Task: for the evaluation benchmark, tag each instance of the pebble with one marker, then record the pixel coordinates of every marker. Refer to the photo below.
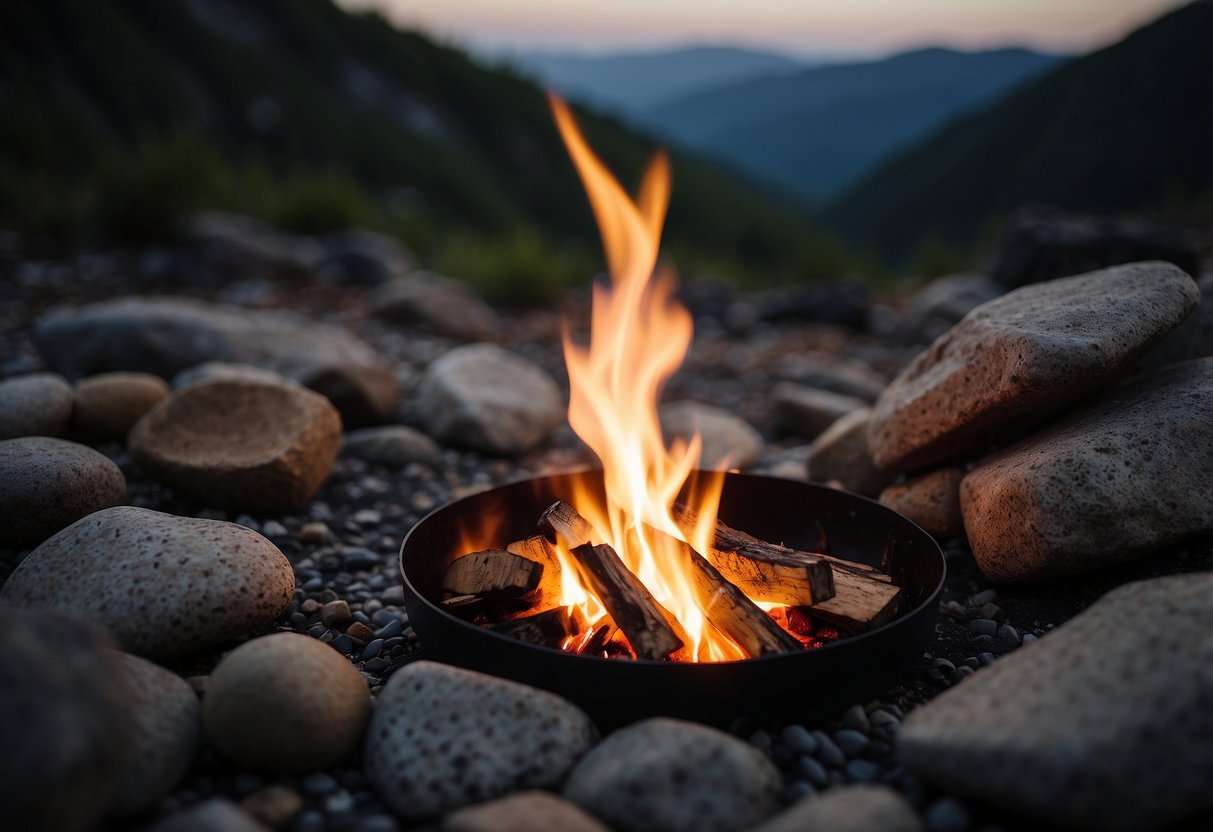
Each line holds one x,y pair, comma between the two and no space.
983,627
360,632
862,808
862,771
852,743
285,703
813,771
675,776
162,585
450,307
214,815
242,445
273,805
38,404
335,613
523,812
47,484
856,718
480,738
105,407
828,752
728,440
797,738
314,532
804,411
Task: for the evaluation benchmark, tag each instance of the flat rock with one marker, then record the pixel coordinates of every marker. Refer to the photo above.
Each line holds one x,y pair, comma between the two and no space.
214,815
47,484
479,738
450,307
65,731
728,441
675,776
1103,724
105,407
392,446
849,809
930,500
162,585
166,736
234,245
834,373
523,812
804,411
250,446
840,454
488,399
1018,360
286,703
1124,476
38,404
165,335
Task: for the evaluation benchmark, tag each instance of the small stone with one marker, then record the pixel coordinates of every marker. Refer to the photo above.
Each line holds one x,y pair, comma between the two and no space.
848,809
214,815
856,718
392,446
360,631
37,404
803,411
318,784
106,407
162,585
675,776
728,440
852,743
224,371
241,445
450,307
947,815
47,484
523,812
272,529
983,627
813,771
840,454
274,806
478,736
797,738
313,532
828,751
862,771
336,614
285,703
930,500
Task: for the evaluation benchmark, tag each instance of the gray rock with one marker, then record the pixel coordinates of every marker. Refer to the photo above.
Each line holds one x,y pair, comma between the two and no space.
166,736
392,446
162,585
226,371
849,809
1016,361
106,407
1191,339
930,500
1109,723
450,307
728,441
524,812
244,445
486,398
286,703
38,404
361,257
214,815
803,411
65,731
165,335
478,737
840,454
943,302
233,245
837,374
675,776
1124,476
47,484
274,806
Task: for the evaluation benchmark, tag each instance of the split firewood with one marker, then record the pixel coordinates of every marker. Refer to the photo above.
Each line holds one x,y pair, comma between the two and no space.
561,523
539,550
632,607
492,571
549,628
594,641
860,602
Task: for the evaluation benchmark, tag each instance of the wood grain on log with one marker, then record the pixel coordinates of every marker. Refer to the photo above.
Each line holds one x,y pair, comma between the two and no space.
492,571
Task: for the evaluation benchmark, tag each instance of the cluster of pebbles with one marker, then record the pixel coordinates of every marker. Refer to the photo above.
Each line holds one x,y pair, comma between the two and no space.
201,607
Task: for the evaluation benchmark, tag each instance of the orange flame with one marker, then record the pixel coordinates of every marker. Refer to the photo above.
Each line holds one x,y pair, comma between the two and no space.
639,336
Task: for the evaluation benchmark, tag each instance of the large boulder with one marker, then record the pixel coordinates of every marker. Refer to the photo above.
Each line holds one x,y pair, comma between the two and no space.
1016,361
1124,476
1103,724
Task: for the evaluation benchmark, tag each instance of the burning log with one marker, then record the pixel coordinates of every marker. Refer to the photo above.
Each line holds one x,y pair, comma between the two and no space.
492,572
632,607
561,523
539,550
549,628
731,612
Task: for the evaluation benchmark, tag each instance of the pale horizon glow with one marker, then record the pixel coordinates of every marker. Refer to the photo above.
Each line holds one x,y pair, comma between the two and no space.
855,27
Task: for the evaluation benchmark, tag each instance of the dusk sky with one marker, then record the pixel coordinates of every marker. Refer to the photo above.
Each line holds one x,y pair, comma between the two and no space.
800,26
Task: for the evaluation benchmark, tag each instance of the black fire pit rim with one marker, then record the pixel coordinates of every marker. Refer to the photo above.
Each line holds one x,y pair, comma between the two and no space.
852,641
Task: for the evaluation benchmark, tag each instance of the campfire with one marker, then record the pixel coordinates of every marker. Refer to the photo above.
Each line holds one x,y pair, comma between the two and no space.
644,569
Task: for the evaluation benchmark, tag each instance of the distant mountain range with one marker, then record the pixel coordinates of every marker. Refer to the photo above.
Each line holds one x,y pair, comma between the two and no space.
1126,129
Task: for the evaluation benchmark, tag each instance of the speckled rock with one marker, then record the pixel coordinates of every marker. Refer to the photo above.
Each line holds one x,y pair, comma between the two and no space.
165,335
728,441
166,736
675,776
480,738
1125,476
214,815
47,484
849,809
1012,363
803,411
106,407
286,703
1109,724
840,454
486,398
38,404
524,812
163,585
930,500
65,724
393,446
244,445
449,307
